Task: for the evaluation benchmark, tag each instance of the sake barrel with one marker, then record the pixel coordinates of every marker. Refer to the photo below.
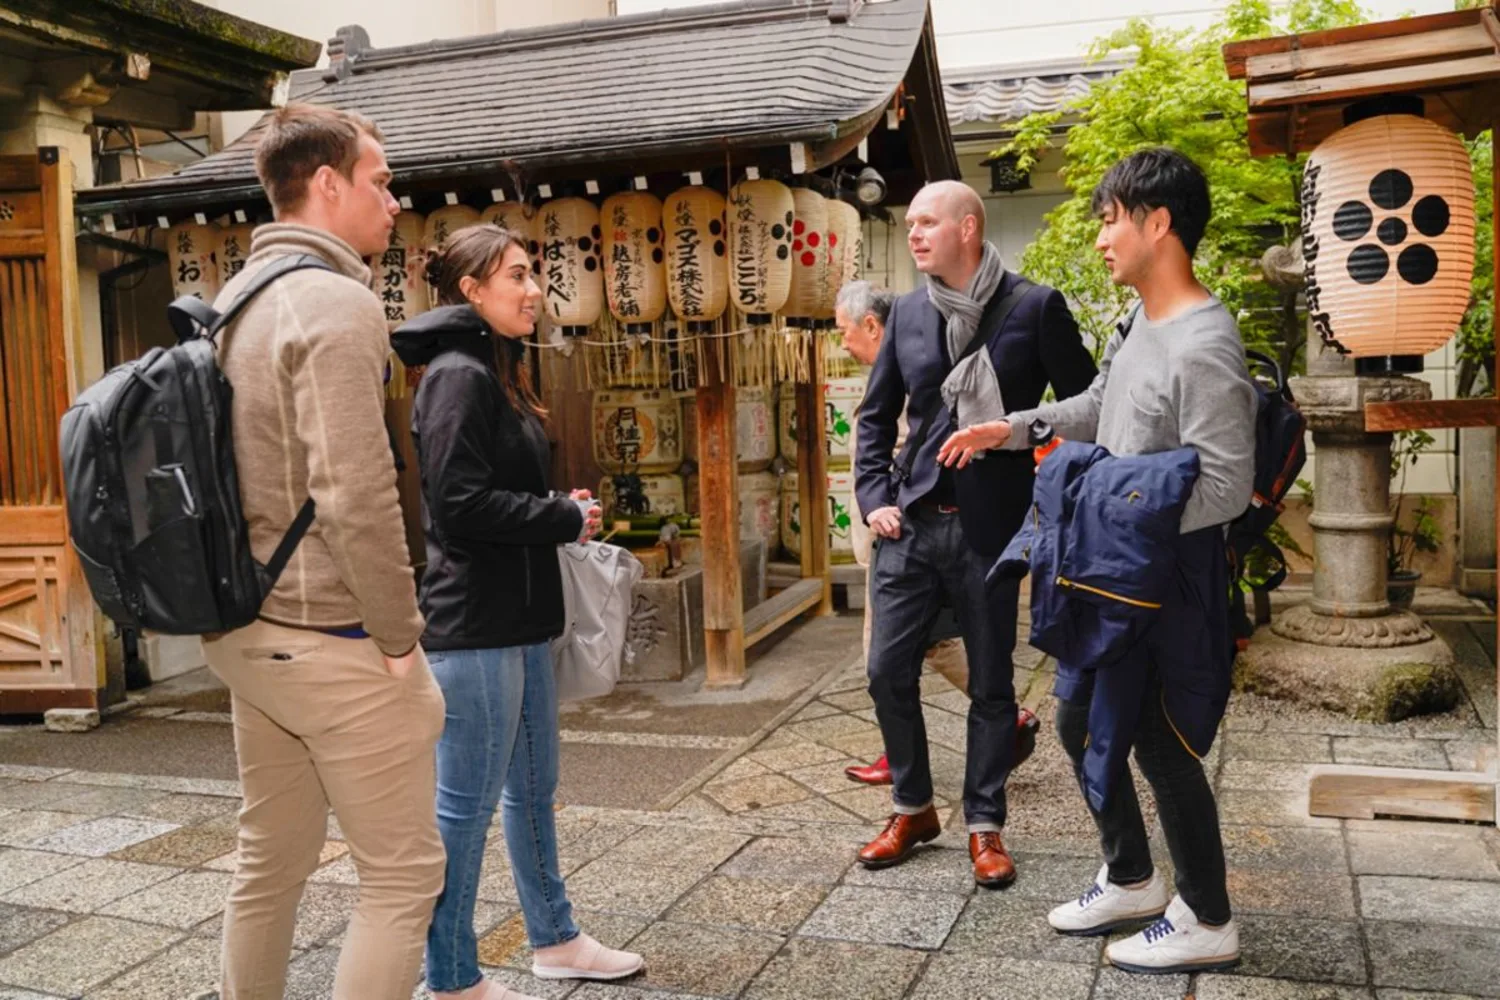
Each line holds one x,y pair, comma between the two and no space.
398,275
760,506
689,401
840,398
637,430
840,516
190,253
233,250
442,222
755,428
661,494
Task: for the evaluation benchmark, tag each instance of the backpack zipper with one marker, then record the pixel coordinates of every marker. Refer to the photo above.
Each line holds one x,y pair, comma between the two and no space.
526,556
1074,585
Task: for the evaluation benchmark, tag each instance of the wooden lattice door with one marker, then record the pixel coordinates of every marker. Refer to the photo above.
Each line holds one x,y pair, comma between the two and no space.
47,649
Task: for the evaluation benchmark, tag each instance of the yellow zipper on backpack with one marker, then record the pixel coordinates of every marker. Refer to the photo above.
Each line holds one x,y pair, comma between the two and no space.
1072,585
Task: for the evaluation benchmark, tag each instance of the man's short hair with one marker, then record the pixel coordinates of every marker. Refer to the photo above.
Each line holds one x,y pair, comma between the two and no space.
859,299
1159,178
300,138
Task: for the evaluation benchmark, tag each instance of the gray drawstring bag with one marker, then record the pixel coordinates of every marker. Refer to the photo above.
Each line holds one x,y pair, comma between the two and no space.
597,584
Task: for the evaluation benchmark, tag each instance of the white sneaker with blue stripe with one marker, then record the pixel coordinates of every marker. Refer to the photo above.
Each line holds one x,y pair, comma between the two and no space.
1177,943
1106,907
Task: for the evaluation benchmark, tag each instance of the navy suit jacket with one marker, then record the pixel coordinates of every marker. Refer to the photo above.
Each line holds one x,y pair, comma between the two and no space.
1038,344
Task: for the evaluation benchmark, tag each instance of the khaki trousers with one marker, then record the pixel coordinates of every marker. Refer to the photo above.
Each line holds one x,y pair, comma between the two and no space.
320,722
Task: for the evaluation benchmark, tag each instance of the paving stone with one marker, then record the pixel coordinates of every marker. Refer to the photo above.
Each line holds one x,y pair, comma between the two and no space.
70,720
754,793
754,904
323,914
865,745
930,869
83,954
815,710
179,902
1214,986
1319,951
871,803
676,848
951,701
1306,748
339,872
578,846
885,916
1000,925
946,729
19,925
1463,960
1284,848
1421,849
698,805
803,754
1292,893
821,730
35,794
709,961
1429,901
1390,753
835,970
814,810
6,993
1053,879
1243,806
26,772
850,701
187,810
98,837
1115,984
613,930
614,991
90,886
189,969
1264,775
107,801
187,847
742,768
20,867
310,976
23,829
1400,995
786,860
827,778
967,977
635,889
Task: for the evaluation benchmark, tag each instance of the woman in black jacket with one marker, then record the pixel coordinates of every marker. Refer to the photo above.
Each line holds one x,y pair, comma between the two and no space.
492,594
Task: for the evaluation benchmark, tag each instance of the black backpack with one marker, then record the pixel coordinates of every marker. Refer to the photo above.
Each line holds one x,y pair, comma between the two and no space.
1280,453
152,493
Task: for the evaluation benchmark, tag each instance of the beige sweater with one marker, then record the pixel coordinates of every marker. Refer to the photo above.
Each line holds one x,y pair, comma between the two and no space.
307,361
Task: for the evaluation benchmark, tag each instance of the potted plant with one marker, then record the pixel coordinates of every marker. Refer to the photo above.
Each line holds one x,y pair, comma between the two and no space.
1421,535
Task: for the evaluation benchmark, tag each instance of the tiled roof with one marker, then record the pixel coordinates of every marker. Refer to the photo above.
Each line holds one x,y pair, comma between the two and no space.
1000,94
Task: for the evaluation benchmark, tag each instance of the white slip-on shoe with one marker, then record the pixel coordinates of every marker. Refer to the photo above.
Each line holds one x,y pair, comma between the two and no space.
585,958
1178,943
1106,907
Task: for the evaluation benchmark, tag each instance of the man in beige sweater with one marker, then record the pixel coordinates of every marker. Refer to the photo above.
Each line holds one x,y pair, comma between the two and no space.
333,701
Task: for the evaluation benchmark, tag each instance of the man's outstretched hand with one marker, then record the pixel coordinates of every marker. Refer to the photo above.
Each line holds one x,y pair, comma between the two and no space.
959,450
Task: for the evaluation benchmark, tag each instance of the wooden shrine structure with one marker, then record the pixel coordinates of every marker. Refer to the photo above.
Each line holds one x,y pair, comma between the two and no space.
1298,87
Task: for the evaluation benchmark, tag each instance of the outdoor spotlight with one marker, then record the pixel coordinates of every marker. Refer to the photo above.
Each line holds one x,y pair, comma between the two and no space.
870,187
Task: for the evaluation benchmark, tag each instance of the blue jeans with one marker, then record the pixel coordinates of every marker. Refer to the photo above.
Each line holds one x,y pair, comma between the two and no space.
499,744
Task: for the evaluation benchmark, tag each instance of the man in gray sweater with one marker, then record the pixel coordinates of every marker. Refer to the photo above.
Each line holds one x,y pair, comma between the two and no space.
1177,378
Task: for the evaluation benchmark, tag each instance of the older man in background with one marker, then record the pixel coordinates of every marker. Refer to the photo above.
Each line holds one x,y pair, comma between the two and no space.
861,314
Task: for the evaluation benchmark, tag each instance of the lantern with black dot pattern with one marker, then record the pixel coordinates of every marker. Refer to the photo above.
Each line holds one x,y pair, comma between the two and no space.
572,264
761,216
635,276
697,257
1388,236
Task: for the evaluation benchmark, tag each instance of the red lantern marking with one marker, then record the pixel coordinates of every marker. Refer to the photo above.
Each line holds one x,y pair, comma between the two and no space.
798,227
813,239
833,240
809,259
797,245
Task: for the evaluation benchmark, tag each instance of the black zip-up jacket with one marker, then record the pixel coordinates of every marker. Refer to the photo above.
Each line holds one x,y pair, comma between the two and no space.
492,576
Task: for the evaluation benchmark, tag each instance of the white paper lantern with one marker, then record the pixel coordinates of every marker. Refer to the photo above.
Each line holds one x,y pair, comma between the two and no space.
571,258
514,217
399,273
190,253
635,277
809,257
845,248
233,250
761,214
697,256
443,222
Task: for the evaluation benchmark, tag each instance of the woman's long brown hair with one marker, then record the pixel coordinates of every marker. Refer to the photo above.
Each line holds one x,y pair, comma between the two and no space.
477,252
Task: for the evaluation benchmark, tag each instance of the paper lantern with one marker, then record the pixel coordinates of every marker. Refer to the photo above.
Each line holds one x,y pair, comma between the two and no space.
845,247
635,276
572,275
443,222
697,256
399,273
1388,239
233,250
514,217
761,215
809,257
638,431
190,252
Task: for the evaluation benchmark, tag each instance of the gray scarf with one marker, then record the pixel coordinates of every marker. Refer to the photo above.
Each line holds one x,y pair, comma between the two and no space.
971,388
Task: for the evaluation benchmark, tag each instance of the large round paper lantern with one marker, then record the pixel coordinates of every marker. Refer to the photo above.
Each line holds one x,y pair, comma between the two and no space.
399,273
697,256
638,430
190,253
572,275
1388,239
635,277
233,250
517,218
809,257
761,215
443,222
845,248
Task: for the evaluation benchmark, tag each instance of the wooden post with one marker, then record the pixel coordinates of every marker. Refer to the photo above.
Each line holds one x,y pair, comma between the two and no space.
1495,377
812,478
719,502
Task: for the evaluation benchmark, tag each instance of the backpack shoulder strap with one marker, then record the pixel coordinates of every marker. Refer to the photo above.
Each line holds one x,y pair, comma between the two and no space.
191,317
1123,327
995,315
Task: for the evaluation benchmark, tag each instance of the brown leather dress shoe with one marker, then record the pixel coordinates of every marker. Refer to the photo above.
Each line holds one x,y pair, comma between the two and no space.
900,837
993,867
878,773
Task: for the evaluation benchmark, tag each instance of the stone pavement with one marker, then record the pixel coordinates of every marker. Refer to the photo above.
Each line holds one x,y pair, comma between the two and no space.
741,883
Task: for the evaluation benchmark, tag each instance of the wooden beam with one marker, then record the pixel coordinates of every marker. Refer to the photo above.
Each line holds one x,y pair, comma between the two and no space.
812,477
22,244
719,503
1416,415
774,612
1352,792
1381,53
1395,79
33,525
1238,54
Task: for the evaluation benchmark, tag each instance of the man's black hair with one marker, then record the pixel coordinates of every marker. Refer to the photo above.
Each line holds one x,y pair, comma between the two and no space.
1159,178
